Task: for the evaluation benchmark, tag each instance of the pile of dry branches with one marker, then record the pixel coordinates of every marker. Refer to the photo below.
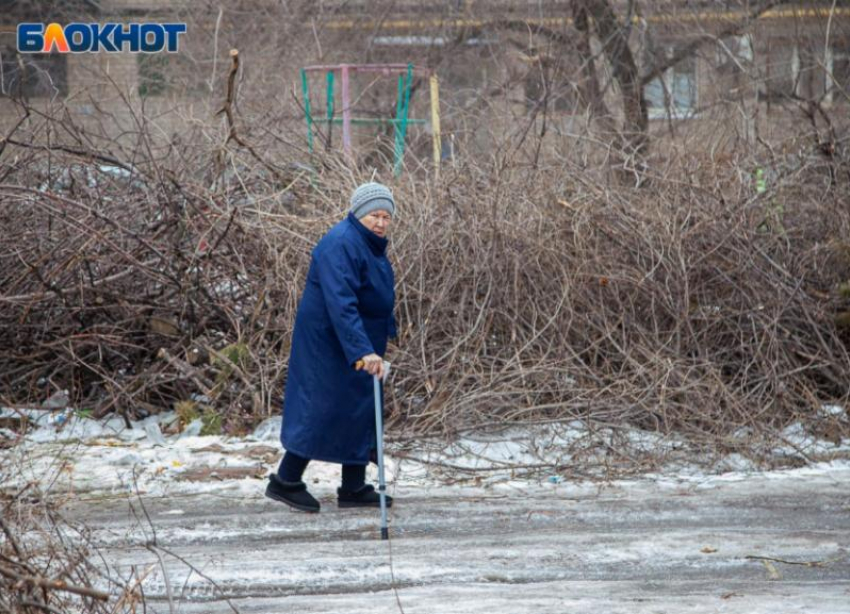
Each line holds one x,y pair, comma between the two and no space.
46,564
697,304
50,564
680,307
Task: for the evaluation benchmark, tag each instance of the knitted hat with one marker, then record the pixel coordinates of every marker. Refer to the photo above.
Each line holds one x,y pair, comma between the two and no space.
371,197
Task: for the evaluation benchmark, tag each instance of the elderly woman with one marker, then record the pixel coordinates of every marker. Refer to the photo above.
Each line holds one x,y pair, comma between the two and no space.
345,316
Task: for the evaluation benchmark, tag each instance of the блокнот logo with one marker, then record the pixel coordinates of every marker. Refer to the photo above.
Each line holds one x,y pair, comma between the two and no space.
94,37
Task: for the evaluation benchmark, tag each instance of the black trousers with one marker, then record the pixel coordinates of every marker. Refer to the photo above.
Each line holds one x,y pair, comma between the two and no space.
292,468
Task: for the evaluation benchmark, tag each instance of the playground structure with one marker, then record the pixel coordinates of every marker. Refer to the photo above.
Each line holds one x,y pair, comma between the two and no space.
400,122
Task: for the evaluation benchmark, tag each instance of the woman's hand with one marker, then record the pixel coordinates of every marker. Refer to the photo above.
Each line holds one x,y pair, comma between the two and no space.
373,364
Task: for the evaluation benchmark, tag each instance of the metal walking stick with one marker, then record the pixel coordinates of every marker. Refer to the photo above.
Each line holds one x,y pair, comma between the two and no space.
379,436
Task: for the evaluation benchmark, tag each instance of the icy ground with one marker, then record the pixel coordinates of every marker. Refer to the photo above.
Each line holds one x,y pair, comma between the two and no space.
497,523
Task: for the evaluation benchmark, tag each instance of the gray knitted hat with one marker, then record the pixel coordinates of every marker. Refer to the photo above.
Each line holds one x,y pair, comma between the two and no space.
371,197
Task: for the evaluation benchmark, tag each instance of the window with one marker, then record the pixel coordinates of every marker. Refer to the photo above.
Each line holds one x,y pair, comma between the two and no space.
432,41
798,68
734,54
409,41
33,75
838,66
781,70
674,93
809,75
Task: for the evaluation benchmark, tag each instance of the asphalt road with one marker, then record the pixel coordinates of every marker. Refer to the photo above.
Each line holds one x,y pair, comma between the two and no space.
649,546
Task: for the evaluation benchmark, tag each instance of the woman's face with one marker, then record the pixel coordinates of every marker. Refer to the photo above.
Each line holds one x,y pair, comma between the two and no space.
377,221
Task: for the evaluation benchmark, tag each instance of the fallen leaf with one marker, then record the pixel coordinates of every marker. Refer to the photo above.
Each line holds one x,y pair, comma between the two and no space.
13,423
109,443
429,386
164,326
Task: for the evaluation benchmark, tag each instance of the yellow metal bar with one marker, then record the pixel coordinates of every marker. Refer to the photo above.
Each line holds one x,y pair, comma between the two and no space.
435,123
392,24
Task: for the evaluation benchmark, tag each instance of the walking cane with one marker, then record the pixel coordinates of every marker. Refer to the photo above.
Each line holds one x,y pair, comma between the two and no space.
379,436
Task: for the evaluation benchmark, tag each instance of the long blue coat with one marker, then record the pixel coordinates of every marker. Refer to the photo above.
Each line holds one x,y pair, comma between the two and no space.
346,312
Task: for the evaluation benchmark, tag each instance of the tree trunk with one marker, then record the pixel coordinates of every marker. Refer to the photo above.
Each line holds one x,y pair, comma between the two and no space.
615,45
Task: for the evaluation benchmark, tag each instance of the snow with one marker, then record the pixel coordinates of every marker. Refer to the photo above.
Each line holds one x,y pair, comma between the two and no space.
832,410
268,430
109,456
491,522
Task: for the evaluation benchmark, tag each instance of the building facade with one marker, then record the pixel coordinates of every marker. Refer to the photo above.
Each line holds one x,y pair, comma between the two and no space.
510,58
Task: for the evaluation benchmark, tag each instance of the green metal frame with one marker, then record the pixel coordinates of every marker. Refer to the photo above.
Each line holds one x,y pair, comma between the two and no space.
400,122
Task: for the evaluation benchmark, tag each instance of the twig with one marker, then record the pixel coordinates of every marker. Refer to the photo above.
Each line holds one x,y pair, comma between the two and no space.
803,563
56,585
187,370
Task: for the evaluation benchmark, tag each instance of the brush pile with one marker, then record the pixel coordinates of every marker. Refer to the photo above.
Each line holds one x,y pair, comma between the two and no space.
701,306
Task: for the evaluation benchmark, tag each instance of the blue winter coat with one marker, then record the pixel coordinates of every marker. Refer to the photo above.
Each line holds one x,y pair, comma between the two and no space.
346,312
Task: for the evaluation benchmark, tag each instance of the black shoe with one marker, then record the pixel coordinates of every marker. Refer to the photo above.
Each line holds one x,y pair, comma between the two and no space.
365,496
293,494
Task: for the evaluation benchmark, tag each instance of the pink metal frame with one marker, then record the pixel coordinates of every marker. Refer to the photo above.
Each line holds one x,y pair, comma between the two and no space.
345,70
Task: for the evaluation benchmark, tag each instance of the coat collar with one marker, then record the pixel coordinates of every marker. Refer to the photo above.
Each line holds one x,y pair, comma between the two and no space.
377,244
